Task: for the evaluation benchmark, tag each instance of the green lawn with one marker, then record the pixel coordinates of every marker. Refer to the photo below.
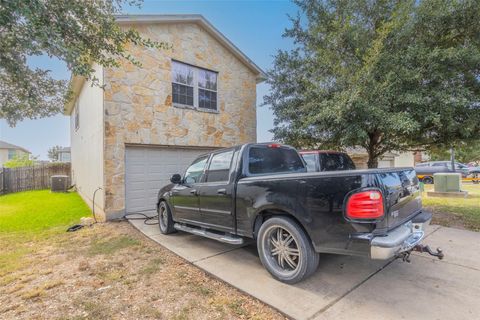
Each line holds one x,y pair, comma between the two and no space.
100,272
30,216
35,212
456,211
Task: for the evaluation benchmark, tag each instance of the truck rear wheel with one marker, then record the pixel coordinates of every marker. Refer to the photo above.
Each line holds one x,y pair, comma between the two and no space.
285,250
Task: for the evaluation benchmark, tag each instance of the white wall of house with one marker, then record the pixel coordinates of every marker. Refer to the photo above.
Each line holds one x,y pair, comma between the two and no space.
87,143
3,156
404,159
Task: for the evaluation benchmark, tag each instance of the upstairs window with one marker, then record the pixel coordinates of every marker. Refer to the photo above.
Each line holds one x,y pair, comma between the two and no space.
11,153
194,87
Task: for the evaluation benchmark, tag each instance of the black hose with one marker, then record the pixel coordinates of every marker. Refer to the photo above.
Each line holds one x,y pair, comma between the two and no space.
93,204
142,216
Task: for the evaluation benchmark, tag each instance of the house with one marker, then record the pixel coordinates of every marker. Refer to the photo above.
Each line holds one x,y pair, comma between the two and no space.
150,122
64,154
9,151
388,160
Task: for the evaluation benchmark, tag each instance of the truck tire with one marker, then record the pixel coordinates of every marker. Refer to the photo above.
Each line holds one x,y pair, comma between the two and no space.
165,220
427,180
285,250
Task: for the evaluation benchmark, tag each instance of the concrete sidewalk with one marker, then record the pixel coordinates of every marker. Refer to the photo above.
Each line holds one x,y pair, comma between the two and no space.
350,287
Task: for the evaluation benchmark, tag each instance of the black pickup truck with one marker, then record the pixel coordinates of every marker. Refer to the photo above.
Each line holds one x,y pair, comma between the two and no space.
263,192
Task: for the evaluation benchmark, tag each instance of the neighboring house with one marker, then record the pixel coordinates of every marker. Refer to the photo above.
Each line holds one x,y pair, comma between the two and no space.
8,151
64,154
388,160
152,121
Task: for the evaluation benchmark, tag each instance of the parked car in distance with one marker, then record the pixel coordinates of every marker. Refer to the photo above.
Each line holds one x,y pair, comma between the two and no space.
426,170
263,193
326,160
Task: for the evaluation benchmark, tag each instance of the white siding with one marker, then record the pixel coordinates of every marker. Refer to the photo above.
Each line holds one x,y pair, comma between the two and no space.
3,156
87,143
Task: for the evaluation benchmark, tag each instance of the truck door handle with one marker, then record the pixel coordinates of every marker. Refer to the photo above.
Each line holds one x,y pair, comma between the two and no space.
194,192
222,191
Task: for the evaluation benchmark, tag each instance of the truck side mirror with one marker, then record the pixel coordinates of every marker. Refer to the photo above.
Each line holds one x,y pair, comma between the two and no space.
176,178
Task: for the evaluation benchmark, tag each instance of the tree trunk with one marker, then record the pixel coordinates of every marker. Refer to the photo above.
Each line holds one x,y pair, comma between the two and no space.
372,150
372,162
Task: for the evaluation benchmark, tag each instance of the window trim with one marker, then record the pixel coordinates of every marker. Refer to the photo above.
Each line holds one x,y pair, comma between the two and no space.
196,88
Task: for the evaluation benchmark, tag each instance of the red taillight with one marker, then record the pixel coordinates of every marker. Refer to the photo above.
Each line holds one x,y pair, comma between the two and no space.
274,145
365,205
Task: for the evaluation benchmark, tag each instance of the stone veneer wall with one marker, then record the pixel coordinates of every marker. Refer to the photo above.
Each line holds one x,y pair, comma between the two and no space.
138,102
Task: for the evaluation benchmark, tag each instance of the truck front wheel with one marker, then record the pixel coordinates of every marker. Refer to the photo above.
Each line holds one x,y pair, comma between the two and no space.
285,250
165,220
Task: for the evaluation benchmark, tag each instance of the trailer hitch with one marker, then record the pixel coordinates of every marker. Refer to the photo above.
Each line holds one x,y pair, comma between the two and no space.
421,248
405,256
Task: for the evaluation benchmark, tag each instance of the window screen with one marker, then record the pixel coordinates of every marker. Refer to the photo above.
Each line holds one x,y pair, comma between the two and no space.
182,84
194,86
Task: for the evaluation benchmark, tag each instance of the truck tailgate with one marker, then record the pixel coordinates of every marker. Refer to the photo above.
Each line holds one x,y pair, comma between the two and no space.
402,192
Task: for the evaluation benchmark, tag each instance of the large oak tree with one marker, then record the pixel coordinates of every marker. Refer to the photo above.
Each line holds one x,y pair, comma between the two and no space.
78,32
386,75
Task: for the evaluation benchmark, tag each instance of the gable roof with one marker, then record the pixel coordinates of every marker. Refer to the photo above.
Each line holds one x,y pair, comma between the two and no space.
201,21
77,82
6,145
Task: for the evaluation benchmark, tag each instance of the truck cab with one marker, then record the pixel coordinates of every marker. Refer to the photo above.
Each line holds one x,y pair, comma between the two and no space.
263,193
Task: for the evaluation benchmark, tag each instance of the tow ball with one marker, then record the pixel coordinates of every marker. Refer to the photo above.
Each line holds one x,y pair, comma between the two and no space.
405,256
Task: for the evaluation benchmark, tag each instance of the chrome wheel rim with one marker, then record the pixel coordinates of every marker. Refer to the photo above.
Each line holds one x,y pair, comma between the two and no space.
163,216
282,250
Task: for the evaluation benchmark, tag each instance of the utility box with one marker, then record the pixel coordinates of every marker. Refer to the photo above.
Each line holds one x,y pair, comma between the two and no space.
59,183
447,182
447,185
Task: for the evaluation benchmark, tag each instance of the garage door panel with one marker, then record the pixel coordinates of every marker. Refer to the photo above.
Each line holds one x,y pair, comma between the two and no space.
150,168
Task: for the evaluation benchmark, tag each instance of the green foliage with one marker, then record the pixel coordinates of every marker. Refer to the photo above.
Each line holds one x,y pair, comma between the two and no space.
465,152
385,75
54,153
77,32
22,160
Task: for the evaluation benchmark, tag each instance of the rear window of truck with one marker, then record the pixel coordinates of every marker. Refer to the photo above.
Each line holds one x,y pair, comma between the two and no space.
265,159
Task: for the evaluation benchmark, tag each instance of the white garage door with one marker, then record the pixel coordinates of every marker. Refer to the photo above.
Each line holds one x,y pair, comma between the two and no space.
147,169
386,163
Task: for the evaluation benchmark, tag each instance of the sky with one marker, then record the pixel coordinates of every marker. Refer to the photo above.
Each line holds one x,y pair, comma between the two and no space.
255,27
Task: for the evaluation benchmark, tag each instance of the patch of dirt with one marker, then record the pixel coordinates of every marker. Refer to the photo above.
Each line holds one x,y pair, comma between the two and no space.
110,271
447,219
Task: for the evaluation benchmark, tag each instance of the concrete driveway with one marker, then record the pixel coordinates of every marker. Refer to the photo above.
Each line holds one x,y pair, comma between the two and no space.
350,287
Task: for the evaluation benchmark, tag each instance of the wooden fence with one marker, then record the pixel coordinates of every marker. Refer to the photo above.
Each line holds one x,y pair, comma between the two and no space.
36,177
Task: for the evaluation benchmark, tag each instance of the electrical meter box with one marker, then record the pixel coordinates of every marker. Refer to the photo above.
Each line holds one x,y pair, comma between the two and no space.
447,182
